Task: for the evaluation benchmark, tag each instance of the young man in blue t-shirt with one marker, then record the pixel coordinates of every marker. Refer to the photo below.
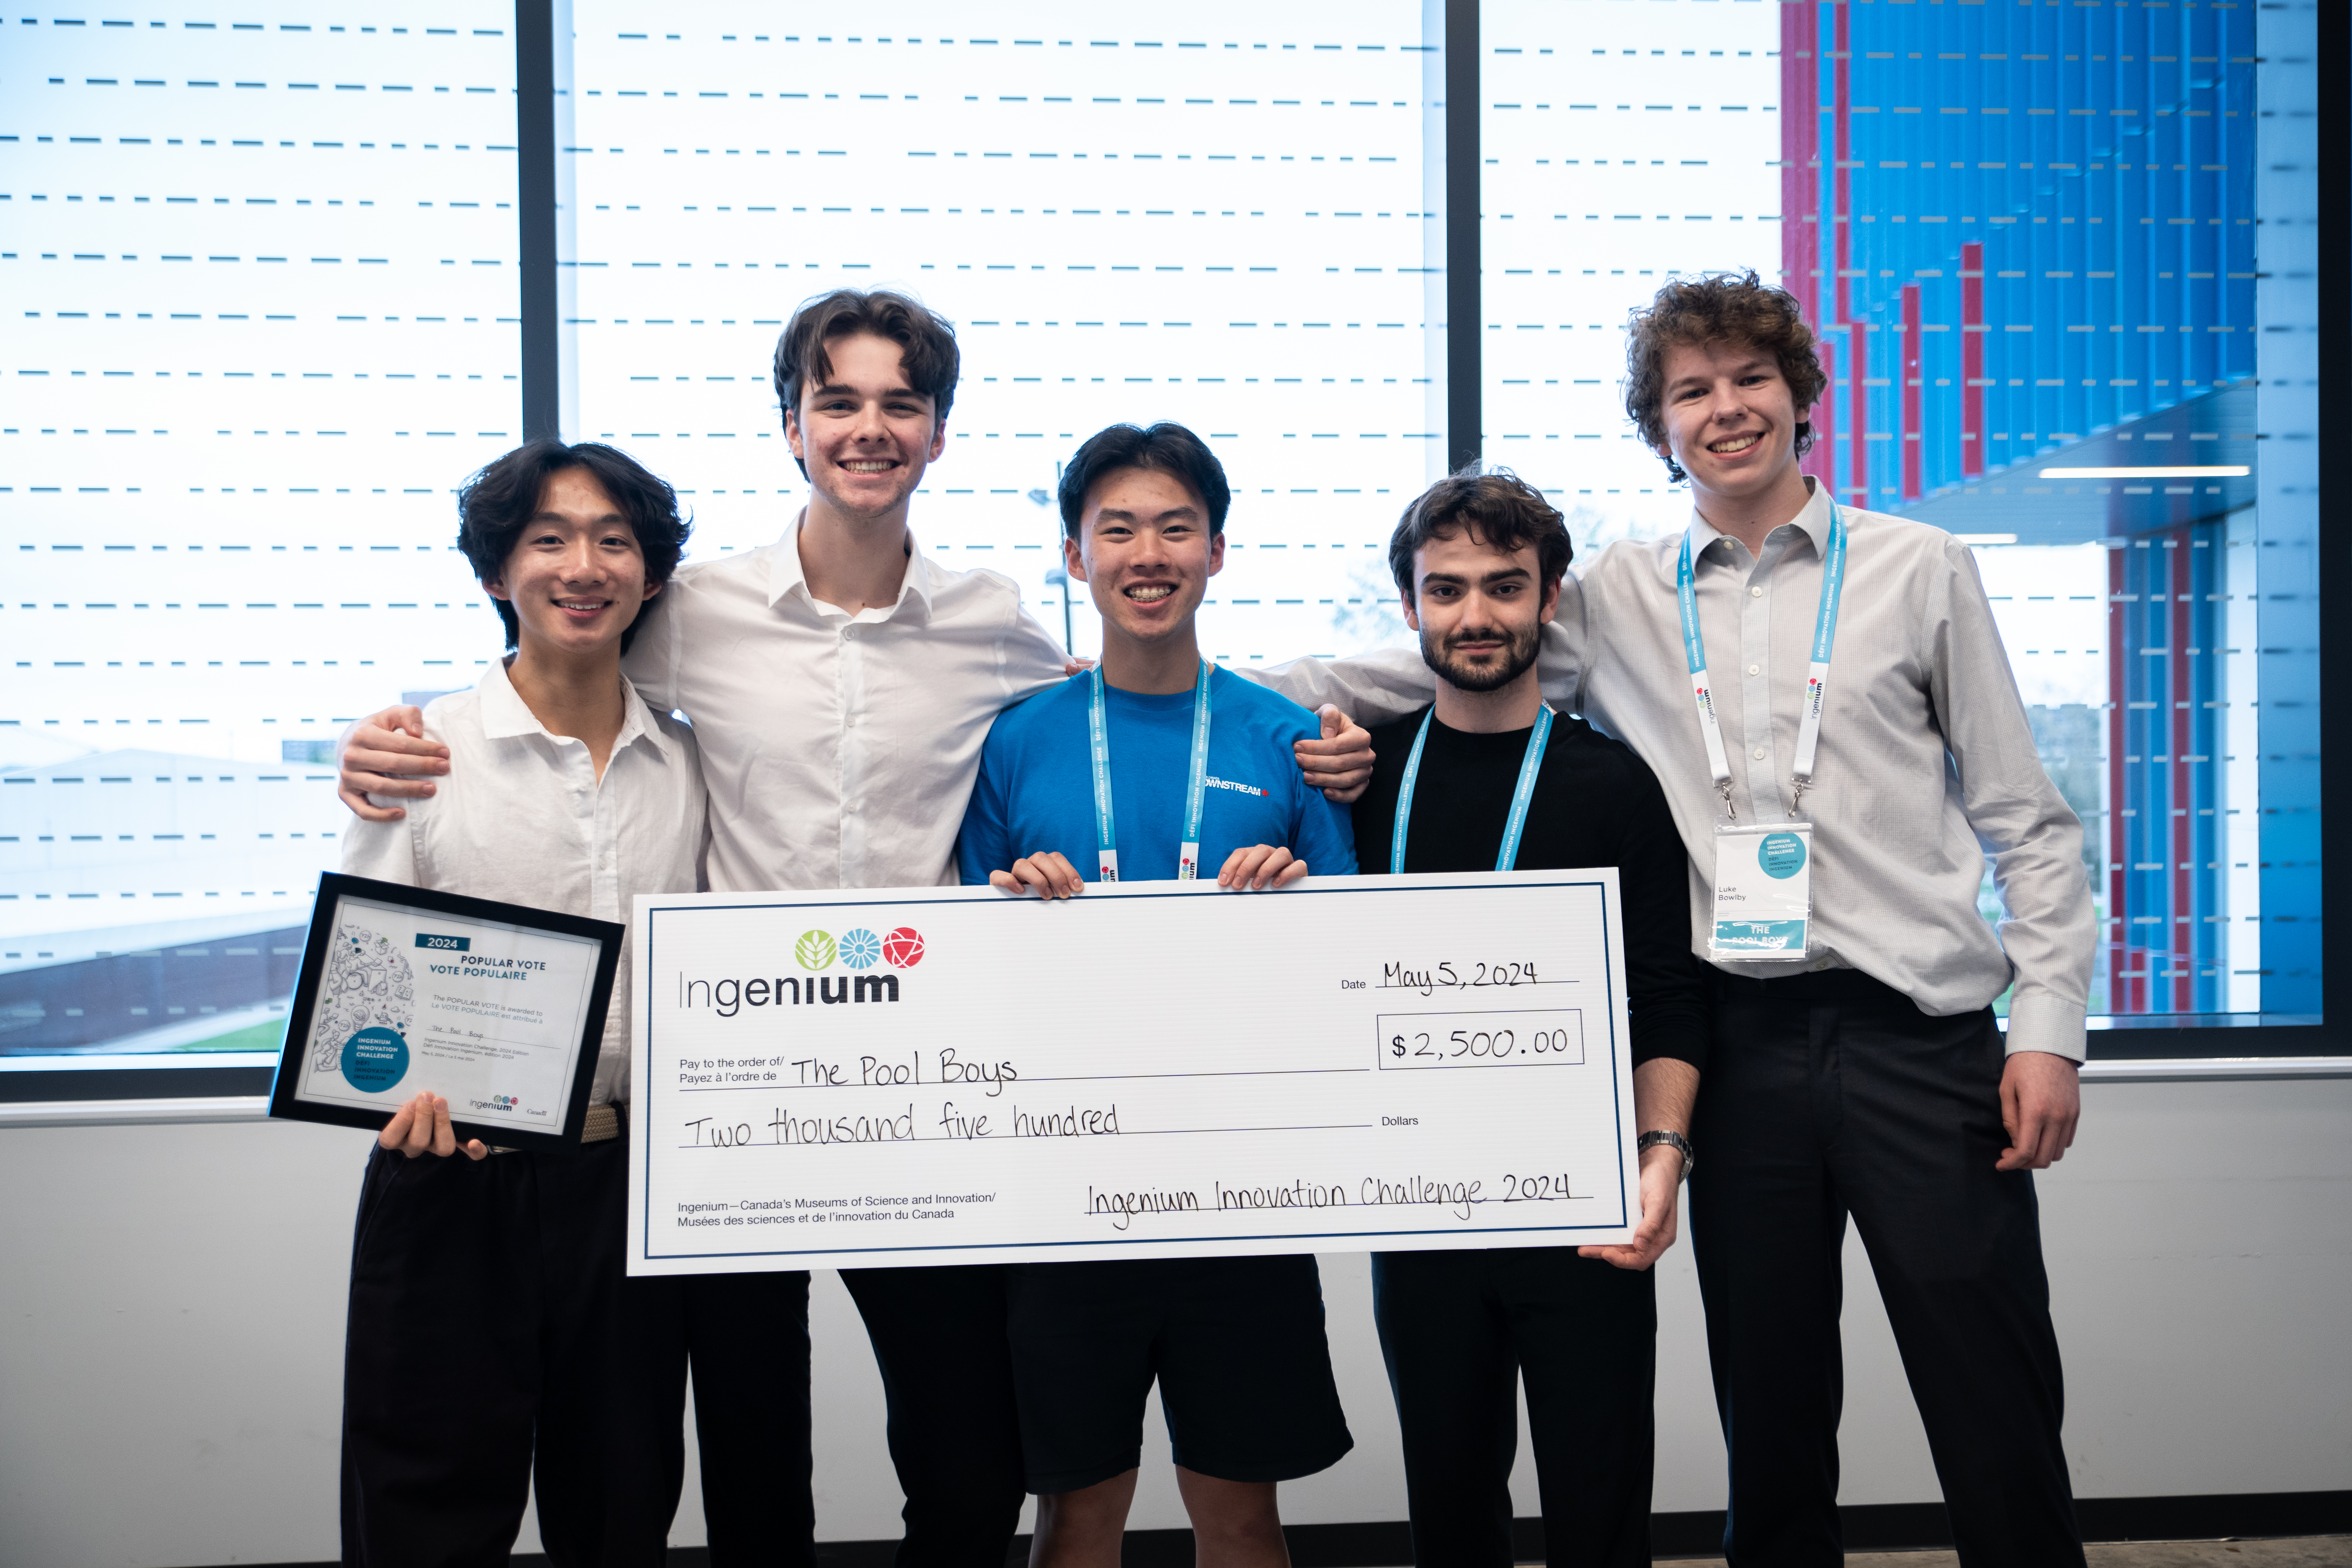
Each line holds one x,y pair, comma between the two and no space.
1237,1343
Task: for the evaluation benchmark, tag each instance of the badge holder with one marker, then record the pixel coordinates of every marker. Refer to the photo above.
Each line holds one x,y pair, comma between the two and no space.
1763,890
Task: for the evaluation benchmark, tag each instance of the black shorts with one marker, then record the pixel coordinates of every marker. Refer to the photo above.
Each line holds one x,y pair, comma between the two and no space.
1236,1344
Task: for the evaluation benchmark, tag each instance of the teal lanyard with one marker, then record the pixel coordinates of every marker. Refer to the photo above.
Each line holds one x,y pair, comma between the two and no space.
1188,860
1809,724
1507,857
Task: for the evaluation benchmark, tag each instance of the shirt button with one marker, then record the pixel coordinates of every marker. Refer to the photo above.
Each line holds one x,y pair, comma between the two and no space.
1756,593
849,634
1755,669
1759,753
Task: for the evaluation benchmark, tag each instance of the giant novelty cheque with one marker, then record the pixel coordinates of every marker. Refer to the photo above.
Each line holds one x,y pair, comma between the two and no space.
951,1074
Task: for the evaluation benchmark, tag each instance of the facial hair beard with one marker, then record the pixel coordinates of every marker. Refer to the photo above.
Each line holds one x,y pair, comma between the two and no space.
1519,653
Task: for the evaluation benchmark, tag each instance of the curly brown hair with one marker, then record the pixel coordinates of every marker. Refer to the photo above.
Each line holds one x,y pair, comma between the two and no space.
1717,306
1501,509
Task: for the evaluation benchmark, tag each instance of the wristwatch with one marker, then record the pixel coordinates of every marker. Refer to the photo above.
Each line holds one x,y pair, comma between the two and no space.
1675,1140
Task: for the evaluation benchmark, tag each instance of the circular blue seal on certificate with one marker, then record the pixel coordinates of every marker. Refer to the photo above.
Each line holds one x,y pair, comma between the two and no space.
1781,855
374,1058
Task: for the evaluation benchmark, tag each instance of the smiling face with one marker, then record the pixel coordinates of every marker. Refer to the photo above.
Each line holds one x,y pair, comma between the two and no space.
865,436
1730,420
1145,551
575,577
1479,610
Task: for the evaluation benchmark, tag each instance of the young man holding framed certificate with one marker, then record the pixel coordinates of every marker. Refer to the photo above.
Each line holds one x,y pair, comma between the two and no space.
498,1279
1156,765
1490,778
840,683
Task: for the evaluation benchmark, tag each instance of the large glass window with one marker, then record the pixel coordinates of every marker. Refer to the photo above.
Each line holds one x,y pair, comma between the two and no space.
266,311
1221,218
2030,242
261,289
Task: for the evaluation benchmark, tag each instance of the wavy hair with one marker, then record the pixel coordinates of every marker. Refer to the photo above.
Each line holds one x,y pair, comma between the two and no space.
1717,308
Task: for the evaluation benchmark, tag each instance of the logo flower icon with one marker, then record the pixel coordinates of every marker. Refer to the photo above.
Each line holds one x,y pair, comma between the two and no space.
903,948
815,950
860,948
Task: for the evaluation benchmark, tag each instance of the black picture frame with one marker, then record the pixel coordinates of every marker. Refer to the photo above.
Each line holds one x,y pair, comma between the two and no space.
333,888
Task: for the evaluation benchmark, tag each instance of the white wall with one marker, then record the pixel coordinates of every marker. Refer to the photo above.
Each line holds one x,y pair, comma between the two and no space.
172,1300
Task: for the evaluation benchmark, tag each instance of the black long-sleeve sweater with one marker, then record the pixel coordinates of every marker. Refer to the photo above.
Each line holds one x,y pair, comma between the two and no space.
1595,804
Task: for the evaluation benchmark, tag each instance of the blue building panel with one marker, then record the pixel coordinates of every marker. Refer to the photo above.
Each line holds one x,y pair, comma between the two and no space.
2017,228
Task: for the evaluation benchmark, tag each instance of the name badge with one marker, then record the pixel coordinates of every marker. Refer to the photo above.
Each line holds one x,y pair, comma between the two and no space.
1763,890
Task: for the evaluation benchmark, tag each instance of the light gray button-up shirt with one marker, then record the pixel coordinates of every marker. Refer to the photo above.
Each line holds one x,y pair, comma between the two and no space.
1927,762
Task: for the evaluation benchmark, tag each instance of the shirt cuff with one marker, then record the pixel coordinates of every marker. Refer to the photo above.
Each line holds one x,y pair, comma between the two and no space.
2040,1022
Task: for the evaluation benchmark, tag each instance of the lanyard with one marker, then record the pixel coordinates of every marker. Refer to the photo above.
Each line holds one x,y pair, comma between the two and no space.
1809,725
1507,858
1188,863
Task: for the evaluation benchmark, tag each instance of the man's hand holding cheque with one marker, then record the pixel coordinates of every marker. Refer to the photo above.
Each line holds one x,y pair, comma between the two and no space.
1050,875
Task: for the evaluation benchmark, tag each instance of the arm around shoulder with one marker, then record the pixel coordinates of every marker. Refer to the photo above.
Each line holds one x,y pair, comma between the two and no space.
387,754
657,642
1380,684
1028,660
385,851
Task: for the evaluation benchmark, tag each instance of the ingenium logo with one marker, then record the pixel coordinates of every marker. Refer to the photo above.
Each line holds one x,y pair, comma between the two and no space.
902,949
856,950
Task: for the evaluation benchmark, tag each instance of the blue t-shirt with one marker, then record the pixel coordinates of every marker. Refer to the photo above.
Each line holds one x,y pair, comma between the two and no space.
1036,792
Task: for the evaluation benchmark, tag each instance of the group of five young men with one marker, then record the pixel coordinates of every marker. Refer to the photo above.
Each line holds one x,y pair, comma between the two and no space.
862,717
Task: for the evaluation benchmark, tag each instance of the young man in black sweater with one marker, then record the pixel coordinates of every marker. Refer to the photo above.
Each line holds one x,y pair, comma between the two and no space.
1478,560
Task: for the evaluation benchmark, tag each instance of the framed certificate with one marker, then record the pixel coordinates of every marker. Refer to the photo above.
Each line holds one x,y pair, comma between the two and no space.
923,1076
497,1008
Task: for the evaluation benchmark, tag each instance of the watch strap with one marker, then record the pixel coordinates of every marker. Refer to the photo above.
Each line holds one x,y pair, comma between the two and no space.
1675,1140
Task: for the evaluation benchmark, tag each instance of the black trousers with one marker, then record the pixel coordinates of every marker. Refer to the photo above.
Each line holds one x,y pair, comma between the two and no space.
1458,1330
939,1338
1827,1094
494,1336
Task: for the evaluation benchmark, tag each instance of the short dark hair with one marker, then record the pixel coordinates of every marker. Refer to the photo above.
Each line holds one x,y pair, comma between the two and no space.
926,340
1717,308
1502,509
1164,448
498,503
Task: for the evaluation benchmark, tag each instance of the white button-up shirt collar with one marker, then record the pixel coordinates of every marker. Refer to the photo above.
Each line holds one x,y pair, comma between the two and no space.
787,575
504,714
1813,522
523,818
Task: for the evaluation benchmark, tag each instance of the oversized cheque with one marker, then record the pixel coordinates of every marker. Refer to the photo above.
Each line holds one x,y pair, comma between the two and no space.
948,1075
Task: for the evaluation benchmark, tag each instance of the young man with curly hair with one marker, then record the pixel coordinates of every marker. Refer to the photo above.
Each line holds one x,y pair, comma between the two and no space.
1821,692
1479,562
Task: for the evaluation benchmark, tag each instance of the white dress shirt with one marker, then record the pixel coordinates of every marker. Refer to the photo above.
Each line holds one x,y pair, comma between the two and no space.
522,818
840,750
1927,762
